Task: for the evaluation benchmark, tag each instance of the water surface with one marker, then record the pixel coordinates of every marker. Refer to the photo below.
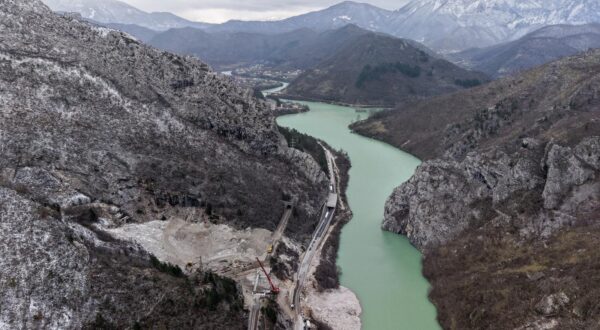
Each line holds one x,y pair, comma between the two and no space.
268,92
382,268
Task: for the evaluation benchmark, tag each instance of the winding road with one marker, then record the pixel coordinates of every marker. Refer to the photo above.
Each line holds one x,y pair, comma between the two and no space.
327,214
326,217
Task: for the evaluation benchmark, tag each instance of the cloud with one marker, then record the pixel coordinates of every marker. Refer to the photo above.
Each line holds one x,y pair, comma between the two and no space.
220,15
218,11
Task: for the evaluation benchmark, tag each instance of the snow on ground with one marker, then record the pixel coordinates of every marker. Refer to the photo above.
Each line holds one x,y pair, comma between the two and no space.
104,32
340,309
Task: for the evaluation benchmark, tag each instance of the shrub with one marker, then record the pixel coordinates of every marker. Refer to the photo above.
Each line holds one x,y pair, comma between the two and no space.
21,189
467,83
270,311
219,289
100,323
43,212
166,267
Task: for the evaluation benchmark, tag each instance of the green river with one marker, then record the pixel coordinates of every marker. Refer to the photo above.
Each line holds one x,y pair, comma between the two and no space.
383,269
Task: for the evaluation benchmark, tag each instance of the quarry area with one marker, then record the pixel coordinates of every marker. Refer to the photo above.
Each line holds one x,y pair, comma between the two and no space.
189,245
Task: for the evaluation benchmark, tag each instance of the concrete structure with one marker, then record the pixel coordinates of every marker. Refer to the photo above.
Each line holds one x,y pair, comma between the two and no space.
332,200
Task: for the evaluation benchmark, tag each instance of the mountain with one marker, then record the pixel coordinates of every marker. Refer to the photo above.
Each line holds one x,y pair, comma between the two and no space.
298,49
141,33
539,47
506,207
360,14
114,11
454,25
443,25
380,70
101,134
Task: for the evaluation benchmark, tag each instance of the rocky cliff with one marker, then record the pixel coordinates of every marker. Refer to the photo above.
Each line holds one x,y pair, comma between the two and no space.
97,131
536,190
507,207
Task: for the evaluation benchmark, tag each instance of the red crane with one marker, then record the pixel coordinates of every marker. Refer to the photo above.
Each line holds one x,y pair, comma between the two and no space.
274,289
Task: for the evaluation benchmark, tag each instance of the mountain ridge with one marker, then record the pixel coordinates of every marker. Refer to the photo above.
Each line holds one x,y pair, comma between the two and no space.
115,11
536,48
448,26
298,49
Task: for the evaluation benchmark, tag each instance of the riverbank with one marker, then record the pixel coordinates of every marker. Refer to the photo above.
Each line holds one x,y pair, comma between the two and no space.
332,305
341,104
382,269
344,309
335,309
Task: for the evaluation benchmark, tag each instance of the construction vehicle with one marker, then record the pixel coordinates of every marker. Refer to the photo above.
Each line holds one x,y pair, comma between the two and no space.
270,248
274,290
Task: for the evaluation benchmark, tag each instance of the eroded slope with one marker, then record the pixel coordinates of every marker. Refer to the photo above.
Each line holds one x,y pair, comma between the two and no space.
98,130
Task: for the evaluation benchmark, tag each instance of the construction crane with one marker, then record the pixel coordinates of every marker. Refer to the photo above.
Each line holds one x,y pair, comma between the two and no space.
274,289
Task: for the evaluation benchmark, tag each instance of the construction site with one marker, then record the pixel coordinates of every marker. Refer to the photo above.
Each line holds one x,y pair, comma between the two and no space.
289,299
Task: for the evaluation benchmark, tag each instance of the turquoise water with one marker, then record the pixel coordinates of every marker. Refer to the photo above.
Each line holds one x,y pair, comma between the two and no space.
267,92
382,268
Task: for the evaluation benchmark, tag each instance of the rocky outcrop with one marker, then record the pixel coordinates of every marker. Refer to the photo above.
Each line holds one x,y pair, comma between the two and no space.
520,151
552,304
506,207
446,197
569,168
307,164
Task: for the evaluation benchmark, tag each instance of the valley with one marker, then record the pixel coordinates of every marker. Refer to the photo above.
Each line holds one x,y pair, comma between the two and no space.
499,192
381,268
434,165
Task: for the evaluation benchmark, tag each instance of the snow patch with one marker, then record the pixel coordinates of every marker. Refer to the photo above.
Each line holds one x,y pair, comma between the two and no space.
343,18
102,31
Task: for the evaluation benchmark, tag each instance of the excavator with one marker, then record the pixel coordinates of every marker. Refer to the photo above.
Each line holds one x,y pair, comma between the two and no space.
274,290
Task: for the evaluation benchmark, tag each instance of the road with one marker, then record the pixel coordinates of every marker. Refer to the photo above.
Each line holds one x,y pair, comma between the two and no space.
326,217
275,238
254,314
327,214
309,255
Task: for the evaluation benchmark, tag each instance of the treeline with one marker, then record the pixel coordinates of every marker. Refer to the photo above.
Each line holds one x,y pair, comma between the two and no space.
219,289
467,83
371,73
305,143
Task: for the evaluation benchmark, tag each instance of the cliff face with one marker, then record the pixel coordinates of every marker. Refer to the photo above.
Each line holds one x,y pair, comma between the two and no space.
536,191
528,139
508,206
97,130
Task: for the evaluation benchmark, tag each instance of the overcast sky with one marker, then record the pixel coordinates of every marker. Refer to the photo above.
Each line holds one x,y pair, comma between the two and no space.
218,11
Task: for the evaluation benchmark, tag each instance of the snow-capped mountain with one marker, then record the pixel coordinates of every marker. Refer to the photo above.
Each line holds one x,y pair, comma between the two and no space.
348,12
444,25
539,47
114,11
452,25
